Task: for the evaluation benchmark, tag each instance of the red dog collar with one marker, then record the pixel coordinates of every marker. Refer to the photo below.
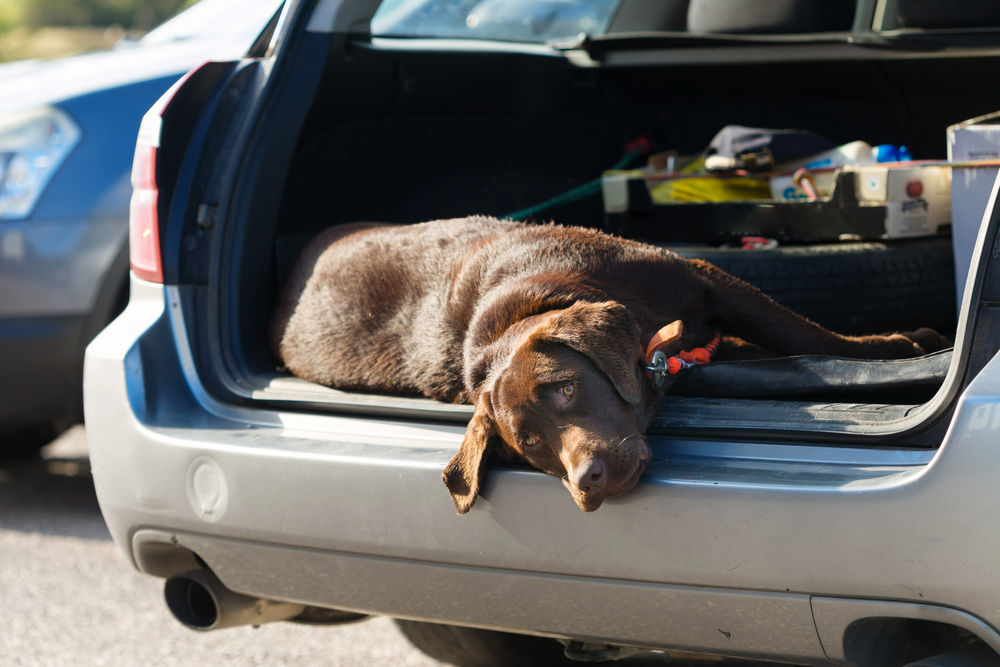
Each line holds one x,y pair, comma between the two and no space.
660,365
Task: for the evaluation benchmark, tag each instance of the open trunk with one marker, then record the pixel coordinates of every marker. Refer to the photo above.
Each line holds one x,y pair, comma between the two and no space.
401,131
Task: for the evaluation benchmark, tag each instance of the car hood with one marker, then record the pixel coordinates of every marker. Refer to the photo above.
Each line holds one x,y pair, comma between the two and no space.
32,83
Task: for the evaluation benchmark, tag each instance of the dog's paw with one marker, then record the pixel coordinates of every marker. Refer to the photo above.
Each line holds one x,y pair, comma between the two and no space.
927,340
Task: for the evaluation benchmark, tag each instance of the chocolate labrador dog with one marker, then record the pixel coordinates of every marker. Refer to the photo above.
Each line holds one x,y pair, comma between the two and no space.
543,328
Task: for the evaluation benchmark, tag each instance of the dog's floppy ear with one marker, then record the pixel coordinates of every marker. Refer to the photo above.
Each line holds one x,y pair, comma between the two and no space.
604,332
464,472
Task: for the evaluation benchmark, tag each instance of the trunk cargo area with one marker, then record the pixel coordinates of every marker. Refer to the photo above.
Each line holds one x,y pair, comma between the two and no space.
401,133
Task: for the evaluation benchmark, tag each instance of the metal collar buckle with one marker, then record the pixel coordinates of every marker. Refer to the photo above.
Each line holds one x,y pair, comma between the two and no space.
658,368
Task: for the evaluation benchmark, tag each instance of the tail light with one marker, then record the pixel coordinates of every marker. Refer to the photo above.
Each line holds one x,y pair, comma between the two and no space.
144,226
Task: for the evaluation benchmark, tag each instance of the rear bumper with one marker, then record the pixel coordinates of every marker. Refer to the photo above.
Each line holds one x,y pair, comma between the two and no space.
349,512
60,282
41,363
755,624
59,268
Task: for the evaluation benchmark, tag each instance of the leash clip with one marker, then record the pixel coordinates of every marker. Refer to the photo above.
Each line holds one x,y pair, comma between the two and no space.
660,370
660,365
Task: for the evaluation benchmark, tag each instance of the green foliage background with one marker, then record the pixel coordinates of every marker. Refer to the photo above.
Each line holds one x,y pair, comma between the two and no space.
57,28
132,15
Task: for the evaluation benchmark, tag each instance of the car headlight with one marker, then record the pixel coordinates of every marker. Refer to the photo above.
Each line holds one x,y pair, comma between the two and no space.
32,146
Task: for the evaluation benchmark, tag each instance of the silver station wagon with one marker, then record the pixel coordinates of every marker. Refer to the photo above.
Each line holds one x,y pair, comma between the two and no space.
806,510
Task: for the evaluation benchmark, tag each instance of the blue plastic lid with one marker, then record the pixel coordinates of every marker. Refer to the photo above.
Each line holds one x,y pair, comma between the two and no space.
890,153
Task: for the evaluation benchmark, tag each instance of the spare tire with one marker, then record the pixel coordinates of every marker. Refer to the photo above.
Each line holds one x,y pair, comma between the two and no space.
854,288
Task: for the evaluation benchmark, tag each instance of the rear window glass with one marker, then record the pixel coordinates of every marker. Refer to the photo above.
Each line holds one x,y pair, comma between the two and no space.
505,20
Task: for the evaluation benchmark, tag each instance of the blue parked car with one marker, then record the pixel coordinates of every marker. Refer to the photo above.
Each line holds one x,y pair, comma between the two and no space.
67,134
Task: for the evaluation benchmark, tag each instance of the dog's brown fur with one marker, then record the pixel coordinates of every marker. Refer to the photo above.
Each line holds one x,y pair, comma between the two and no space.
540,327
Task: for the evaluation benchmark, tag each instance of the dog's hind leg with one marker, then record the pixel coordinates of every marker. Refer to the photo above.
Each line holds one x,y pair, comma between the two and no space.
739,309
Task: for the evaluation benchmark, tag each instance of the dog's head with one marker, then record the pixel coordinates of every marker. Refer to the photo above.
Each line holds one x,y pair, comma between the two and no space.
570,398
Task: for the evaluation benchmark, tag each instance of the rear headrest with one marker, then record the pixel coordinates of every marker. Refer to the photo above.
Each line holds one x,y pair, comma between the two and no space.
770,16
646,16
952,14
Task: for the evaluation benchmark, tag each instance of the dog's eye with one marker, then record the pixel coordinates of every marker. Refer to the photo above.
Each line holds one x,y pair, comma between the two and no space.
530,440
567,391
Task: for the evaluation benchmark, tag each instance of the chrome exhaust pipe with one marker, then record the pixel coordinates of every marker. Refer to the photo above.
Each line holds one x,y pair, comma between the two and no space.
201,602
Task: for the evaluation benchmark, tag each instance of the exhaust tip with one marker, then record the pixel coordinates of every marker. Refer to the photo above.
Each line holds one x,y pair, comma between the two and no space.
201,602
191,602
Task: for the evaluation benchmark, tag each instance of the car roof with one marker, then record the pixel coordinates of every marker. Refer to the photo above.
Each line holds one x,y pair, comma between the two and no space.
171,52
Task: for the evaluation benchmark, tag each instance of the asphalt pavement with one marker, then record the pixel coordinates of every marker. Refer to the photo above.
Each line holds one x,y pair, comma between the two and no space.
68,597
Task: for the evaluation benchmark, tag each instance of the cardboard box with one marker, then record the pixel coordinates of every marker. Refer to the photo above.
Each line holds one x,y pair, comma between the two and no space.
917,200
974,139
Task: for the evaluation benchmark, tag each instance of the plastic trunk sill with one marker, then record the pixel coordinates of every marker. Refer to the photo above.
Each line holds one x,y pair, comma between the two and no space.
675,412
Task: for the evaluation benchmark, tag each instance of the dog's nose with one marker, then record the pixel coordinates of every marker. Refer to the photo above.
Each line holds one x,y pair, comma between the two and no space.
589,476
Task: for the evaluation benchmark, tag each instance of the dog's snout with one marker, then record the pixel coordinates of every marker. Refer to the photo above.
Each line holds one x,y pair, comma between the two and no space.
589,476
